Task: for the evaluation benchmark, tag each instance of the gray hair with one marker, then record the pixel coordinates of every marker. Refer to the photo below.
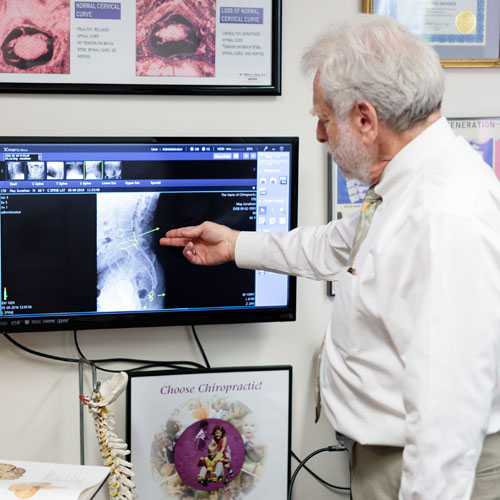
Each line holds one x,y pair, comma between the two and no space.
374,58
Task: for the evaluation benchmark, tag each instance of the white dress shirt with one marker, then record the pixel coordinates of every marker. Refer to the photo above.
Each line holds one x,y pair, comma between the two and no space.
412,350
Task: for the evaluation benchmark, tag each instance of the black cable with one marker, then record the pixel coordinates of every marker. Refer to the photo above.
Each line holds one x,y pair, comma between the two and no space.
160,364
336,447
169,364
75,338
142,367
320,479
36,353
200,346
148,363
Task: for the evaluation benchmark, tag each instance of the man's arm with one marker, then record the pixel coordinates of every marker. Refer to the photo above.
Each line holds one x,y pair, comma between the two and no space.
315,251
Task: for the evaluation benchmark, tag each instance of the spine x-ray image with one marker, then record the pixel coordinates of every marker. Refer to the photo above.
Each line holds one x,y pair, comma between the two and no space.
15,170
129,277
74,169
36,170
55,170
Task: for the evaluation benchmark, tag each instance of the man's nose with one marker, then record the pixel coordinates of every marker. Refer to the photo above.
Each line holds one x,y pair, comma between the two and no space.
321,134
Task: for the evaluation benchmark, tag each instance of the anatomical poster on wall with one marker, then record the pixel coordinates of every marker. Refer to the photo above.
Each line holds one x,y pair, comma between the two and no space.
156,46
211,434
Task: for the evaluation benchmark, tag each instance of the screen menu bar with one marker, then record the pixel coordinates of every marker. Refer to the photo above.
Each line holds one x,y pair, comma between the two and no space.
16,149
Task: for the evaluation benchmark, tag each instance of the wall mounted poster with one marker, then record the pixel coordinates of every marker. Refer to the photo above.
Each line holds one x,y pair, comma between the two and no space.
211,434
346,195
484,136
141,46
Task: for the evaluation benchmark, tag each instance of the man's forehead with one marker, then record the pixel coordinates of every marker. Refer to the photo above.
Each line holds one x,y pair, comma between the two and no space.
317,89
320,106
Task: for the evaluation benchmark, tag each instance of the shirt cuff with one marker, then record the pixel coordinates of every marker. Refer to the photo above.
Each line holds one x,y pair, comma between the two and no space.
247,252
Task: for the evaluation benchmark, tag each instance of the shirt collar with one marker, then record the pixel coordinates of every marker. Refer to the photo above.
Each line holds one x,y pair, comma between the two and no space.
408,161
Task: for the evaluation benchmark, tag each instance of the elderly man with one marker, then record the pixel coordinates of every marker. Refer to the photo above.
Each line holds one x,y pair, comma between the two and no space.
410,366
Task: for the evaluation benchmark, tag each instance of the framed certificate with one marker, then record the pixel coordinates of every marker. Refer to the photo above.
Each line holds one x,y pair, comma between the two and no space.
463,32
211,434
141,47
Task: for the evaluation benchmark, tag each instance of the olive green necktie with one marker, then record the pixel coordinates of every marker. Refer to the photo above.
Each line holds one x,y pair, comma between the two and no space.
370,204
368,207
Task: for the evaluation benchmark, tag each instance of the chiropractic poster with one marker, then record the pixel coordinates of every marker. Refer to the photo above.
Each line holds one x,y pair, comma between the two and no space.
139,43
211,434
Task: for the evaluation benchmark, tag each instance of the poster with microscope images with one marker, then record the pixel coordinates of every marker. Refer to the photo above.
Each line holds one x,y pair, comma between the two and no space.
219,434
49,44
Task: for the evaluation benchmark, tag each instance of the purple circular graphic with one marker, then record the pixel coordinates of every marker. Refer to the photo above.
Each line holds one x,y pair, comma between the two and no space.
209,454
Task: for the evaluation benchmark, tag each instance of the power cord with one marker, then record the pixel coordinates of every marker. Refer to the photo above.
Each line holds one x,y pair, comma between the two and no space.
37,353
200,346
145,363
336,447
318,478
148,363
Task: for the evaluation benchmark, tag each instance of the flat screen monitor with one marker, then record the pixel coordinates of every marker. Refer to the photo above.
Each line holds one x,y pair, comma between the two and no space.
81,219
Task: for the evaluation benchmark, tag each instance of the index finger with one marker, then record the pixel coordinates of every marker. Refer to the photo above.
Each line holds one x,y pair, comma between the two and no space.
188,232
173,242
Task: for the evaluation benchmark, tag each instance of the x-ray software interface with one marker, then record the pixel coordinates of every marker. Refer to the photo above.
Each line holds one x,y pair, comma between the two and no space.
80,224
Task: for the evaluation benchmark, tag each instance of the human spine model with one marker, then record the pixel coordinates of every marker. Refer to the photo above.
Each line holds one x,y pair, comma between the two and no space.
113,449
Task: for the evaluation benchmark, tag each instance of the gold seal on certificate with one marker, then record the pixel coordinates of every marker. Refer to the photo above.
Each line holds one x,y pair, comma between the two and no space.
465,22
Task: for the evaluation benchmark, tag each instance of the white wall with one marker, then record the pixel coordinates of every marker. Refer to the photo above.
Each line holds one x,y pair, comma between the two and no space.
39,398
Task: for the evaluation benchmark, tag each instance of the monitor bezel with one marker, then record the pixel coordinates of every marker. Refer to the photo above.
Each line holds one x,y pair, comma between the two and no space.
103,321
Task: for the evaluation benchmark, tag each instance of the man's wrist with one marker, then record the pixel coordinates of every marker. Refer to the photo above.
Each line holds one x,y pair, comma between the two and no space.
232,244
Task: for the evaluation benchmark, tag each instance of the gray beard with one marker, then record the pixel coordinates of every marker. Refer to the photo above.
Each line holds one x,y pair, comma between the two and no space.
353,160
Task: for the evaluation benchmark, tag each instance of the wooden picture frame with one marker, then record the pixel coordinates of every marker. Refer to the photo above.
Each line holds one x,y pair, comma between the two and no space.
465,33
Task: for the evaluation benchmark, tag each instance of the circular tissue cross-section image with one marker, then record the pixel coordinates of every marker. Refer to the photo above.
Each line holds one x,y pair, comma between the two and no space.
179,450
209,454
35,36
176,38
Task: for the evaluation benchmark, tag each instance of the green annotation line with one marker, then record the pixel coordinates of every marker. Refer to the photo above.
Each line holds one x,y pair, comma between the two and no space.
152,230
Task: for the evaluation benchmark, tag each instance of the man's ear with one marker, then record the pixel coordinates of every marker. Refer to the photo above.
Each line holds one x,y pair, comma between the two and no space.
365,121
